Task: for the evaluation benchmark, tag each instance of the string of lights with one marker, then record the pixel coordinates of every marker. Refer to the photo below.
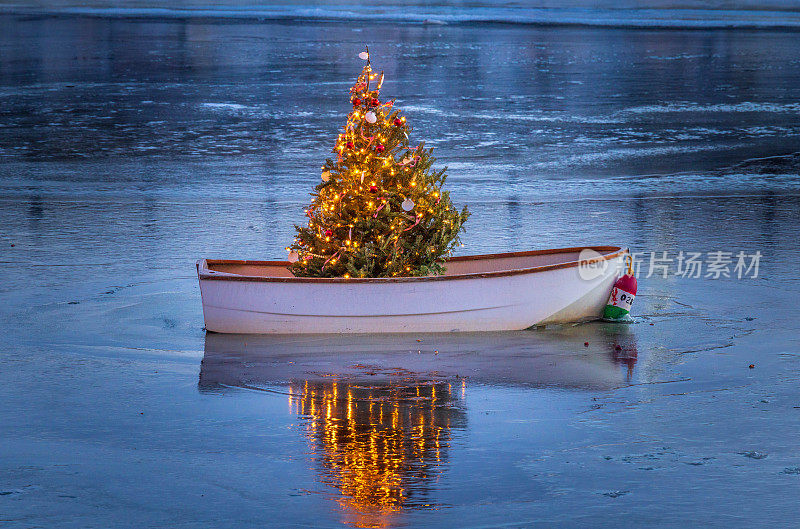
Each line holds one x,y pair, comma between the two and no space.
379,210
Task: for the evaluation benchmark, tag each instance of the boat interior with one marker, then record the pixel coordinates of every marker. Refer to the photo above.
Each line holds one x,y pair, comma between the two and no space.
473,264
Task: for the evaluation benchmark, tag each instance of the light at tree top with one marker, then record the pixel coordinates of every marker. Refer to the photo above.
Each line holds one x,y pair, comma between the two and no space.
379,210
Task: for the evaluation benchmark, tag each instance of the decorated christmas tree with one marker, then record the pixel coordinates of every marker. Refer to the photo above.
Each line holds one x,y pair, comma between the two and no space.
380,210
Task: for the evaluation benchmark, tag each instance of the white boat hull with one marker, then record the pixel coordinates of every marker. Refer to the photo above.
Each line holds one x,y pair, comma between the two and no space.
492,300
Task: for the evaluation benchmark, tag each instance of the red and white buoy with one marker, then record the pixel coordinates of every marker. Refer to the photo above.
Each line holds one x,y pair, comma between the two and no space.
622,296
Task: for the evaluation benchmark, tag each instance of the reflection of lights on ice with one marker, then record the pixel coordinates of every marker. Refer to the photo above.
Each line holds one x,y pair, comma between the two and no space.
381,447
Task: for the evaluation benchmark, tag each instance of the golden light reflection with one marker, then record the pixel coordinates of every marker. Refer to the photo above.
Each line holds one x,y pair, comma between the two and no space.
383,447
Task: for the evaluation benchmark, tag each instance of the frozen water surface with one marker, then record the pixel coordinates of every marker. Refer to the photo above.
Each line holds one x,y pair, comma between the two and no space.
132,146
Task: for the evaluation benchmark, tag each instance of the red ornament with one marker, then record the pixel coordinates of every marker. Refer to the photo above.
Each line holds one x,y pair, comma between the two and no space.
379,148
398,122
328,233
374,102
356,102
350,145
373,189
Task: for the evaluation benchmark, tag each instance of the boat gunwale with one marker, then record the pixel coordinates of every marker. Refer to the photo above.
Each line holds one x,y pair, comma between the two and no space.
204,273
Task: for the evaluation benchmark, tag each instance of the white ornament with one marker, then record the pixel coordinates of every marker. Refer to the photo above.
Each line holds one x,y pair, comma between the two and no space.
326,176
407,204
292,257
405,161
370,117
363,55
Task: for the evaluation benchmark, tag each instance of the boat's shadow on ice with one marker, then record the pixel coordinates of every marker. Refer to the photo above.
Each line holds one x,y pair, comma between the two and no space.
382,413
593,355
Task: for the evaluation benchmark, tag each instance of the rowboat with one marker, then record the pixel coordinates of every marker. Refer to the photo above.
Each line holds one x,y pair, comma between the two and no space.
493,292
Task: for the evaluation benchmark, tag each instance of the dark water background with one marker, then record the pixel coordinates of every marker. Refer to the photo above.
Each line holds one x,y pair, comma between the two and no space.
130,147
